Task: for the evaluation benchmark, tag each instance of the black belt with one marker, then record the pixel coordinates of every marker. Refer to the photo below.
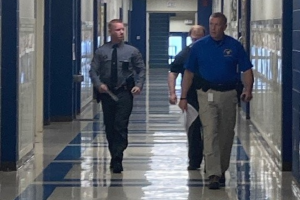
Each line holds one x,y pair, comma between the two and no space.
219,87
121,88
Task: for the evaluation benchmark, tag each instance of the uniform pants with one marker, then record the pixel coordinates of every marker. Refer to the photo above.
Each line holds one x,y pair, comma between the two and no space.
195,150
218,117
195,144
116,118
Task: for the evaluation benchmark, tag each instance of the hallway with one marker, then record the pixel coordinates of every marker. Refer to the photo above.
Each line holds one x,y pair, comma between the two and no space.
72,160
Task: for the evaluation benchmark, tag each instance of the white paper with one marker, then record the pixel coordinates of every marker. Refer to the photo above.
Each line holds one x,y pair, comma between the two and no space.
188,117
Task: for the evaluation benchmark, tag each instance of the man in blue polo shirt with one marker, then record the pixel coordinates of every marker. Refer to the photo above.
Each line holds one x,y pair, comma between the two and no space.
219,60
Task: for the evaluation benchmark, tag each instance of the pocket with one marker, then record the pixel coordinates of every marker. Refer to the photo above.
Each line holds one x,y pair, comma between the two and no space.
125,65
104,70
235,100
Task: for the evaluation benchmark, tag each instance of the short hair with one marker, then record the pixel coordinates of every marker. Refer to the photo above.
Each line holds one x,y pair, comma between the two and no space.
219,15
197,30
114,21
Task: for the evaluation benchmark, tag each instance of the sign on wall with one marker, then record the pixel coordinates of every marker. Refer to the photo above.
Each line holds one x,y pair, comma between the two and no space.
171,3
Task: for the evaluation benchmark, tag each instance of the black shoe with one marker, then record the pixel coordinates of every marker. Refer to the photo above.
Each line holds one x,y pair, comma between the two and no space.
222,180
117,168
214,182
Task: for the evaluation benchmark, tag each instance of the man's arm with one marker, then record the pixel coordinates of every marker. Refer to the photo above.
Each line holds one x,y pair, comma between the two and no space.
176,67
95,68
186,84
94,73
140,68
248,85
171,83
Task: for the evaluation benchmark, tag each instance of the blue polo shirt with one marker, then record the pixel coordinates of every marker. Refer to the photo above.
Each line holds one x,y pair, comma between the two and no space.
217,62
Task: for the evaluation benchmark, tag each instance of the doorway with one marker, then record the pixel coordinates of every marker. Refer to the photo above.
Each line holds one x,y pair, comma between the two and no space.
177,42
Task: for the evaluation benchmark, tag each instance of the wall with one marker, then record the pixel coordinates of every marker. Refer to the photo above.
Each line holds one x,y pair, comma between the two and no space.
296,88
39,64
266,55
217,6
113,9
230,10
27,76
113,12
87,50
171,6
138,26
266,9
179,26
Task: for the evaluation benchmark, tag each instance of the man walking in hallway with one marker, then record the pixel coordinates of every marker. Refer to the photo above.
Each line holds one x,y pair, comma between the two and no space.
113,71
216,58
195,145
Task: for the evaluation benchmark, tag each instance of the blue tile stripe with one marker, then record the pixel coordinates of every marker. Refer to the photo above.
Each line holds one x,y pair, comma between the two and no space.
70,156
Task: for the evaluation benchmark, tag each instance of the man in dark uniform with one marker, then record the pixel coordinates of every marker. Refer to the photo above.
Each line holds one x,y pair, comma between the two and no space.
195,146
113,70
216,59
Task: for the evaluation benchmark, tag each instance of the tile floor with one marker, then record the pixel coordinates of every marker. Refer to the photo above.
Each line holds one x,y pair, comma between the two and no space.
71,160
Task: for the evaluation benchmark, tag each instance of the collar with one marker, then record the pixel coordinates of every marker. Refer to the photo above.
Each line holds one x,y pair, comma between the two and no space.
118,45
219,42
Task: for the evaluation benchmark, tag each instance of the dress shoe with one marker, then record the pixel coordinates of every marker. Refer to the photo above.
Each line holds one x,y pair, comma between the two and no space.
117,167
214,182
222,180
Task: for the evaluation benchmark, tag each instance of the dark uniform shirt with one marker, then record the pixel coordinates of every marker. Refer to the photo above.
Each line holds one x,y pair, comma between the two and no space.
130,63
177,66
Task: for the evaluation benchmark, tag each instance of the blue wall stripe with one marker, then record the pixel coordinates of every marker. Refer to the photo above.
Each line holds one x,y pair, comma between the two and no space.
96,21
295,90
61,69
9,85
47,61
138,26
287,23
204,12
77,62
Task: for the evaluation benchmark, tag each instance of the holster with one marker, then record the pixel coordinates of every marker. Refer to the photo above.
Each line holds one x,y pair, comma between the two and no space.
130,83
239,88
197,82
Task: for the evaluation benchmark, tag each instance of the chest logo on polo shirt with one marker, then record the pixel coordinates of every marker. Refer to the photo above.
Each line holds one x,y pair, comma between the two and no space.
227,52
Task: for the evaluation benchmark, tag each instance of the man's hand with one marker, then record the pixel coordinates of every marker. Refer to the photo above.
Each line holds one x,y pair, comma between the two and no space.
103,88
173,99
183,104
246,96
135,90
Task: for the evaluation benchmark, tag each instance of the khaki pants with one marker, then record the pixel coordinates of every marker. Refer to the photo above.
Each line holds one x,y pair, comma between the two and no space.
218,116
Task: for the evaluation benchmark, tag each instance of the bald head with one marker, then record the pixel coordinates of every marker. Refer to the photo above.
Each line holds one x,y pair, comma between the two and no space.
197,32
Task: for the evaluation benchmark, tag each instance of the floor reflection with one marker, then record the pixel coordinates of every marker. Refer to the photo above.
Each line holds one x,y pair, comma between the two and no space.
72,160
